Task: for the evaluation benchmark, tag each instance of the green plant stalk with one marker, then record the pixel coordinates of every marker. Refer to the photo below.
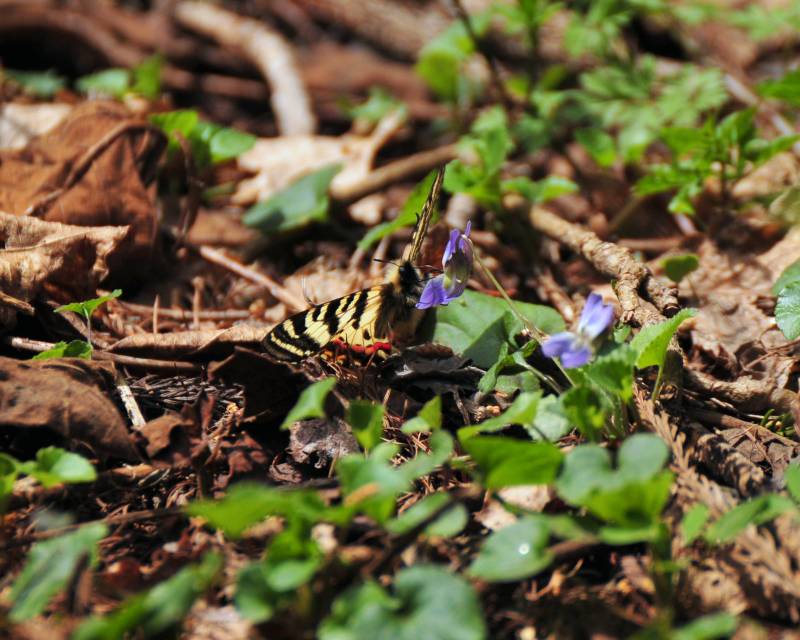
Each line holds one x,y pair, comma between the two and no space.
534,332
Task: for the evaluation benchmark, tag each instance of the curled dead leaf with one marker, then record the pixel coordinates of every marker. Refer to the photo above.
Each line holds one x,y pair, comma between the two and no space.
93,169
66,396
35,253
186,343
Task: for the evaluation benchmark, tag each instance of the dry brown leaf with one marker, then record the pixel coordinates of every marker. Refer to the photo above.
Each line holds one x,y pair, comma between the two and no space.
280,161
65,395
94,169
183,343
20,123
36,253
731,324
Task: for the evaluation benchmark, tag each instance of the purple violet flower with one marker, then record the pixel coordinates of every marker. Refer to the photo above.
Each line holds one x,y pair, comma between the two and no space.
575,349
457,269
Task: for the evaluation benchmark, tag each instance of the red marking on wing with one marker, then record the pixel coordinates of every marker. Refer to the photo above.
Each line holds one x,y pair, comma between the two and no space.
368,349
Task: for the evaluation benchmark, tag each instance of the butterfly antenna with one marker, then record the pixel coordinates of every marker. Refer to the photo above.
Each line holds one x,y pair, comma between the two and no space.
424,218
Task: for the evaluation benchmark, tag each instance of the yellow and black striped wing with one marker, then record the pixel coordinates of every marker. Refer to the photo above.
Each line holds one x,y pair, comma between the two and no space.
357,321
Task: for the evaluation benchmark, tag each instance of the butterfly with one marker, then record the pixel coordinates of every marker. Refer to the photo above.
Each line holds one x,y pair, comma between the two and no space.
363,322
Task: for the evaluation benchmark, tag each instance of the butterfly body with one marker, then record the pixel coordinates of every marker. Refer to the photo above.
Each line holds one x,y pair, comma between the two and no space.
364,322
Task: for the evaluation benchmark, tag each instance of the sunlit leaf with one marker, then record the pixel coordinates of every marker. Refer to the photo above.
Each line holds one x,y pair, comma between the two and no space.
514,552
787,311
507,462
651,342
427,602
88,307
311,403
366,420
304,201
50,566
74,349
157,610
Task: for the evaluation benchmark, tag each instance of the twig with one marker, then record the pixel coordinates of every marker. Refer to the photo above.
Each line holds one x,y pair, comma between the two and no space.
277,291
394,172
122,518
16,303
632,277
173,366
186,314
267,50
129,401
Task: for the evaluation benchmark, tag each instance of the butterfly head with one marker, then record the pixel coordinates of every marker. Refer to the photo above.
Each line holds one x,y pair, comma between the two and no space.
408,282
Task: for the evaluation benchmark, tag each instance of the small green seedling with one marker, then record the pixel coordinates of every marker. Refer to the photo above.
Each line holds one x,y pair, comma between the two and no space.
87,308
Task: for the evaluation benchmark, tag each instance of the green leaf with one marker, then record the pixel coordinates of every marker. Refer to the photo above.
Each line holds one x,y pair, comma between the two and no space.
247,504
551,421
708,627
147,77
291,560
787,311
635,505
74,349
641,457
428,419
311,403
586,409
441,61
791,476
651,342
693,523
441,446
379,103
304,201
428,602
613,371
756,511
477,325
790,275
366,420
379,481
586,468
182,121
226,144
50,566
506,462
407,216
599,144
257,597
55,466
449,523
515,552
110,82
630,497
678,267
88,307
542,190
158,609
42,84
522,411
786,88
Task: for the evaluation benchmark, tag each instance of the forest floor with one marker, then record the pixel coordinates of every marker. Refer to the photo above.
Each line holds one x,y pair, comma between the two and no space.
177,178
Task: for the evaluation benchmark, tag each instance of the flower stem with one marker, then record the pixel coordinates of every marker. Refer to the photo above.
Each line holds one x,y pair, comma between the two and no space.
533,331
